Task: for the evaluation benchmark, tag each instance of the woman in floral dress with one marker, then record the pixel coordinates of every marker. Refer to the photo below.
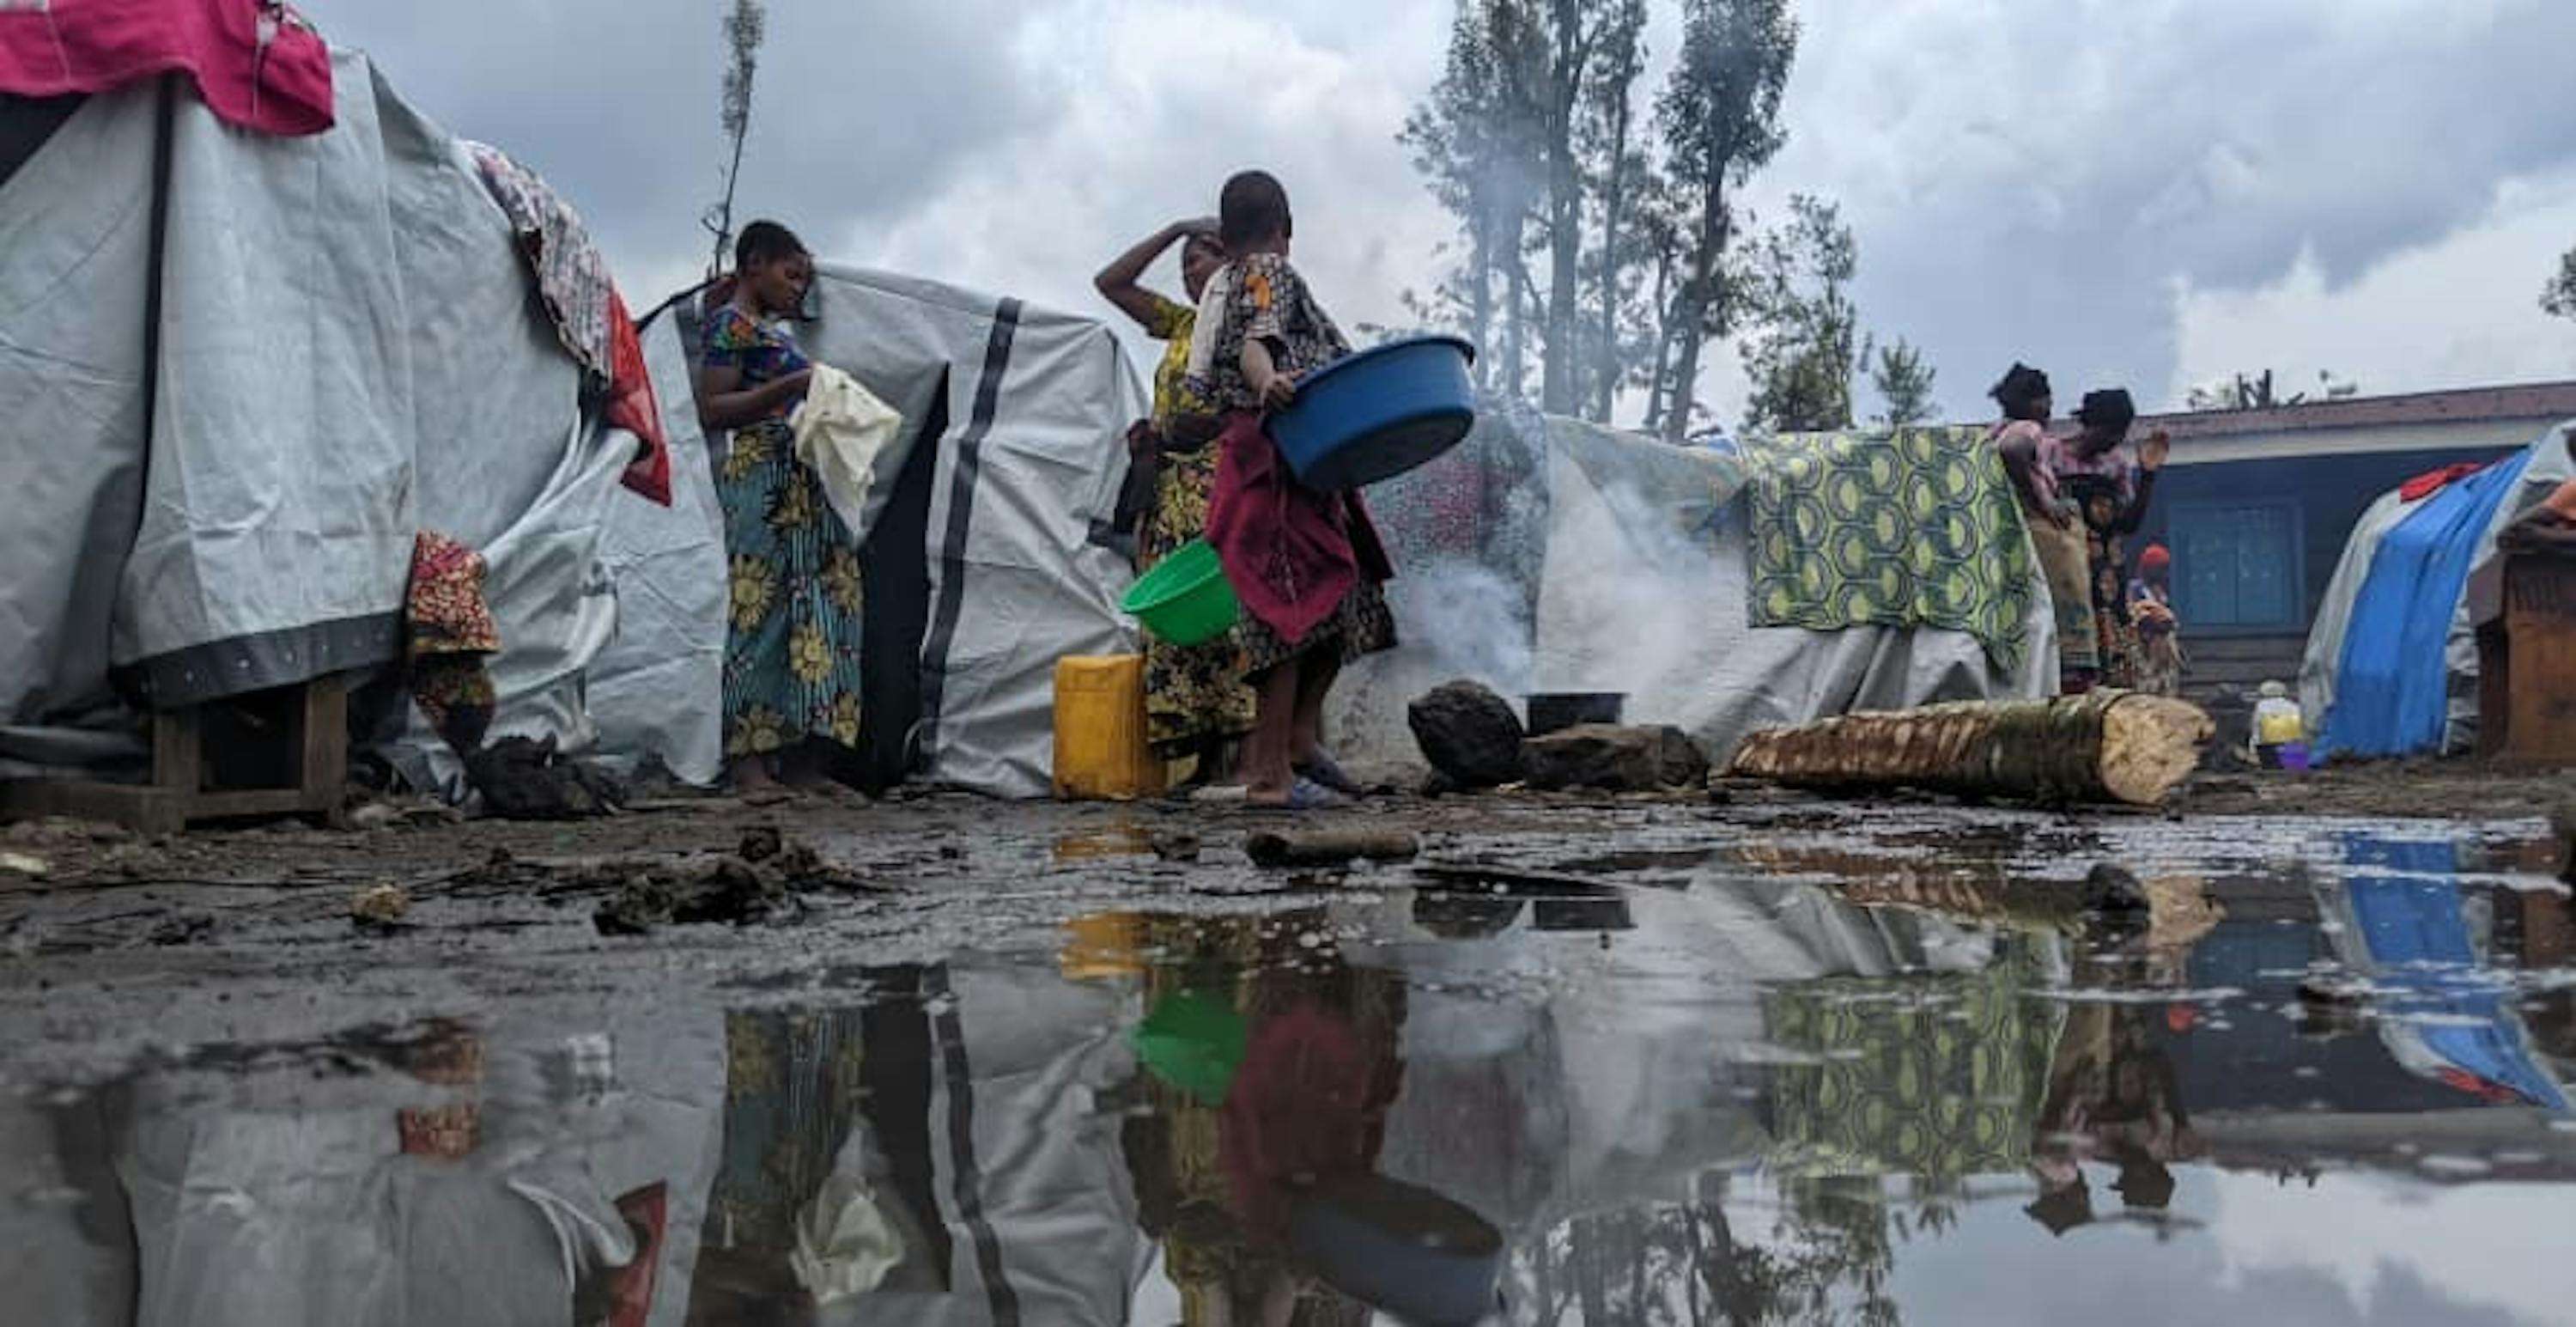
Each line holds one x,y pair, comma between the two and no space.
791,670
1195,698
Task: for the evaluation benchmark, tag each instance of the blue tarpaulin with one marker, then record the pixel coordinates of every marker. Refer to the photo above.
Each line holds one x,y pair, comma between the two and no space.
2392,692
2435,989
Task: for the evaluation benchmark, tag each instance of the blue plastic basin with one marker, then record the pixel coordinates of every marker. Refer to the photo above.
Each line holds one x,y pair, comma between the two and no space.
1379,413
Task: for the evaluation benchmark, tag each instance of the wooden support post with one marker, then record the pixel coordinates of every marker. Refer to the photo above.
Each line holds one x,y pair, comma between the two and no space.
176,796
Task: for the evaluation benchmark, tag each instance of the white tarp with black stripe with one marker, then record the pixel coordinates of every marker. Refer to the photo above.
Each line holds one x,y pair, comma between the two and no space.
1024,411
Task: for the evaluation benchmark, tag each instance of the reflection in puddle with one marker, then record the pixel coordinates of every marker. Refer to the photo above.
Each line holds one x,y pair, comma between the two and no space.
1804,1087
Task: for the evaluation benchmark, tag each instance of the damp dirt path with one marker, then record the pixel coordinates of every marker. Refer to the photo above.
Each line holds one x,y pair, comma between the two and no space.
122,947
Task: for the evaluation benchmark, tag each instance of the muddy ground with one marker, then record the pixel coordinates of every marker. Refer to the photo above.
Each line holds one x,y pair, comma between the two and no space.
1658,958
233,930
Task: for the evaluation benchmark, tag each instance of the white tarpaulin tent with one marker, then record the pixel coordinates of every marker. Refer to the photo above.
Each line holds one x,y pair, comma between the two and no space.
1546,554
2543,466
984,568
290,354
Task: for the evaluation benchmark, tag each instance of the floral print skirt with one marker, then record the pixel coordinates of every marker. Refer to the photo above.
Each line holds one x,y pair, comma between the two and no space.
791,668
1193,694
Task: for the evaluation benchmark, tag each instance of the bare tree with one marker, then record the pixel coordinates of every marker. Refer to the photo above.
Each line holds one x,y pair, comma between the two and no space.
746,25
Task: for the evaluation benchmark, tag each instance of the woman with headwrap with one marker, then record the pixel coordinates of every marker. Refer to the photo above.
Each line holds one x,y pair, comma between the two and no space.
2083,494
2159,631
1196,703
2027,402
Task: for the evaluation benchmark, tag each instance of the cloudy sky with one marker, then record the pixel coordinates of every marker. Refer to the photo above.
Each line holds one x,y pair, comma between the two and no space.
2149,192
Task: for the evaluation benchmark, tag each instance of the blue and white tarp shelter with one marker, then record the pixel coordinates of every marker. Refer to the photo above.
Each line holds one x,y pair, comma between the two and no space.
2392,660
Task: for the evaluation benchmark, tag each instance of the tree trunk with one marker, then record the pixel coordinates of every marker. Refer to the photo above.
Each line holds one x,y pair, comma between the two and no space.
2113,746
1657,387
1698,294
1685,389
1516,280
1614,196
1480,290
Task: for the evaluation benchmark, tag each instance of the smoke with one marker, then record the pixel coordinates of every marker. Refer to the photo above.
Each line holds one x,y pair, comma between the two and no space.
1571,581
1635,600
1455,619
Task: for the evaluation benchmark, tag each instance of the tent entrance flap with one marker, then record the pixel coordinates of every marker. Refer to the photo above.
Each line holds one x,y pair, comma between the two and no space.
894,565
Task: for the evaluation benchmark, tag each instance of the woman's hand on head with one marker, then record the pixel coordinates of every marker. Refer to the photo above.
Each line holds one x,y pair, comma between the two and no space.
2153,453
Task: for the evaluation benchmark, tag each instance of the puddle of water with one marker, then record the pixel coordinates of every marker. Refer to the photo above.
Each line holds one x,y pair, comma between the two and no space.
1812,1085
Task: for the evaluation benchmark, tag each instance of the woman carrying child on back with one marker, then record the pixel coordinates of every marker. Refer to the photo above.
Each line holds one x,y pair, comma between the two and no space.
1307,566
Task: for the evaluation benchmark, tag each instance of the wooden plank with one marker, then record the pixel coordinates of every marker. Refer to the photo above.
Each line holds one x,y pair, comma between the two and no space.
245,804
323,732
178,749
138,807
2540,635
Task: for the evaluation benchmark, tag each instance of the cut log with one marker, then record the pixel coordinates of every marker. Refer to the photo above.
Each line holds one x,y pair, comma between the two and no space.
2108,746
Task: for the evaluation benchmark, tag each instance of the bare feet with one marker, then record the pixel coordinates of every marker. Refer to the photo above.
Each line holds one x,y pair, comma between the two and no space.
751,775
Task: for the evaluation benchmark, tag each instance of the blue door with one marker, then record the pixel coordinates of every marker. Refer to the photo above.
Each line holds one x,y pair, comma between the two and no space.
2236,565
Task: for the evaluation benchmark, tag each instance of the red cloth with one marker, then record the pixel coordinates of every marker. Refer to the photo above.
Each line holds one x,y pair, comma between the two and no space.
632,407
2431,482
1290,552
1309,1101
256,62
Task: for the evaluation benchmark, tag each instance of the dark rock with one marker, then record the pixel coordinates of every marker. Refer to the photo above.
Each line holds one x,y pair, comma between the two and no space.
761,842
1623,760
734,892
528,780
1468,734
2113,889
1685,765
1176,846
2562,827
183,929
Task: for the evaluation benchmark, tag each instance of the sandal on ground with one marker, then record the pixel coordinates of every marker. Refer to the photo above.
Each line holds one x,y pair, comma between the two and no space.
1327,773
1303,796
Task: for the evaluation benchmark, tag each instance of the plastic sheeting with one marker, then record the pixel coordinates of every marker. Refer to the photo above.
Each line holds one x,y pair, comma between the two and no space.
347,352
1036,405
1592,1100
2392,662
1612,562
657,687
2406,924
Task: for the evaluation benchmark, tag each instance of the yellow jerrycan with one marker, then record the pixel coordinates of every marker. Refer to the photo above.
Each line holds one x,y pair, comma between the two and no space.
1100,748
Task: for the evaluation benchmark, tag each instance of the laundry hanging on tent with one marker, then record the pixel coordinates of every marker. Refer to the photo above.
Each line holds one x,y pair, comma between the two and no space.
450,631
2431,482
1911,528
257,63
582,301
2392,688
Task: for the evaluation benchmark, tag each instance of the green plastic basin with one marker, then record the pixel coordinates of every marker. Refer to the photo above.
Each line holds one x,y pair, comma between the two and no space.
1185,600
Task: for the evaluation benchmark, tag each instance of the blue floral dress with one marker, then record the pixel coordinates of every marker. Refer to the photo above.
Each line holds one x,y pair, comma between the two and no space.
791,668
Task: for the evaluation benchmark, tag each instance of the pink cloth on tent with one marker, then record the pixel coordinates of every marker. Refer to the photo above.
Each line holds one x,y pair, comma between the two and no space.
256,63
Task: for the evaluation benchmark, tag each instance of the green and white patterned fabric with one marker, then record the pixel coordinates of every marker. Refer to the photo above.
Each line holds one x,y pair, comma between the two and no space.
1913,528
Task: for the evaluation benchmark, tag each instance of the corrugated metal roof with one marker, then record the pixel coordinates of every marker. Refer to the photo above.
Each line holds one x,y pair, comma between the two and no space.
2546,401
